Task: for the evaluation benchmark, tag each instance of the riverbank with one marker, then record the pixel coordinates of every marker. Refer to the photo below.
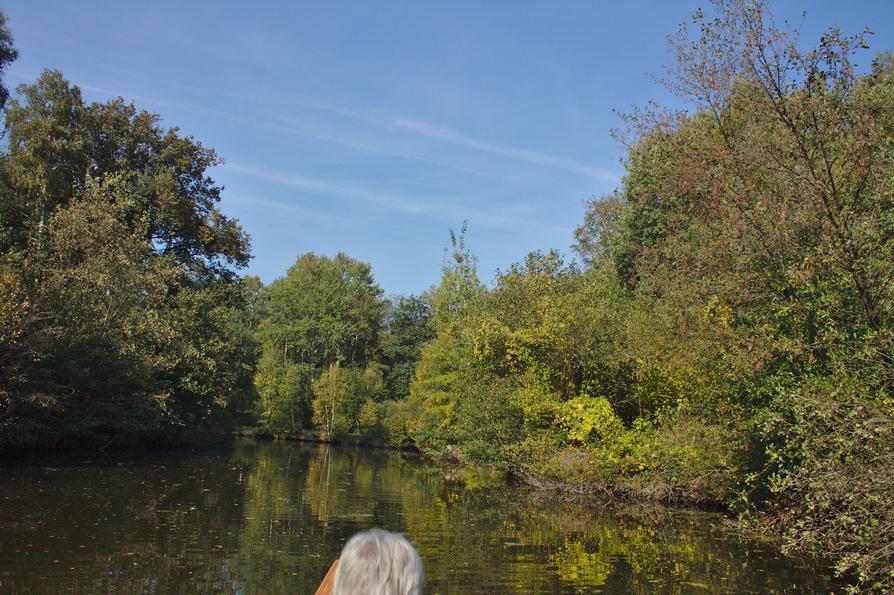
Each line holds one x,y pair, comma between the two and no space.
314,438
630,489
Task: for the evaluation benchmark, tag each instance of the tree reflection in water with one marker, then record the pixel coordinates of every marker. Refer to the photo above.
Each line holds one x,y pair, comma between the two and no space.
264,517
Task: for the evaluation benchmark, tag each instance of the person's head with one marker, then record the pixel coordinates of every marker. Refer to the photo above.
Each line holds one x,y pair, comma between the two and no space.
378,562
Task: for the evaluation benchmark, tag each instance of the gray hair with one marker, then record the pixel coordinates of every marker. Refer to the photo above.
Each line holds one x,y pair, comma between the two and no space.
378,562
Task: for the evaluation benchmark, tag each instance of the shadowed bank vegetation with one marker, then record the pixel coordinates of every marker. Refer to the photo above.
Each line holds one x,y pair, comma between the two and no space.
120,308
724,336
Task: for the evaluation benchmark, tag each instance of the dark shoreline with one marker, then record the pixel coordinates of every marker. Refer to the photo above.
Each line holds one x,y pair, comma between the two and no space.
312,438
108,448
587,491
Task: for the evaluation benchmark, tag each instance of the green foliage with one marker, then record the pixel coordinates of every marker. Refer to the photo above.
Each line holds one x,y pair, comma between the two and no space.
752,236
323,317
408,327
441,379
830,445
346,400
56,142
459,287
397,419
283,387
8,55
324,310
331,405
458,411
589,419
122,314
488,426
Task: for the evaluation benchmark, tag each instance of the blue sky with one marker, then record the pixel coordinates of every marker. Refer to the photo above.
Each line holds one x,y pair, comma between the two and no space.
374,127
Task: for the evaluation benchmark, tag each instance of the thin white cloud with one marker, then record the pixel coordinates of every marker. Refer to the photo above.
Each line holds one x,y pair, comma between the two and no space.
373,149
456,137
285,207
426,206
339,189
418,127
462,139
278,127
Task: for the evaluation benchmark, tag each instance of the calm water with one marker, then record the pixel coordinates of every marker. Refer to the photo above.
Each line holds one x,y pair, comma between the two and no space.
270,518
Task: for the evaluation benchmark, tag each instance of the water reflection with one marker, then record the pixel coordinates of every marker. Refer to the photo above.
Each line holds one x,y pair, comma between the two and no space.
270,518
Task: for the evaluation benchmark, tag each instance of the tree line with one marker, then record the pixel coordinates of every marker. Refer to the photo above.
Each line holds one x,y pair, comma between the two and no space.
723,335
121,307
